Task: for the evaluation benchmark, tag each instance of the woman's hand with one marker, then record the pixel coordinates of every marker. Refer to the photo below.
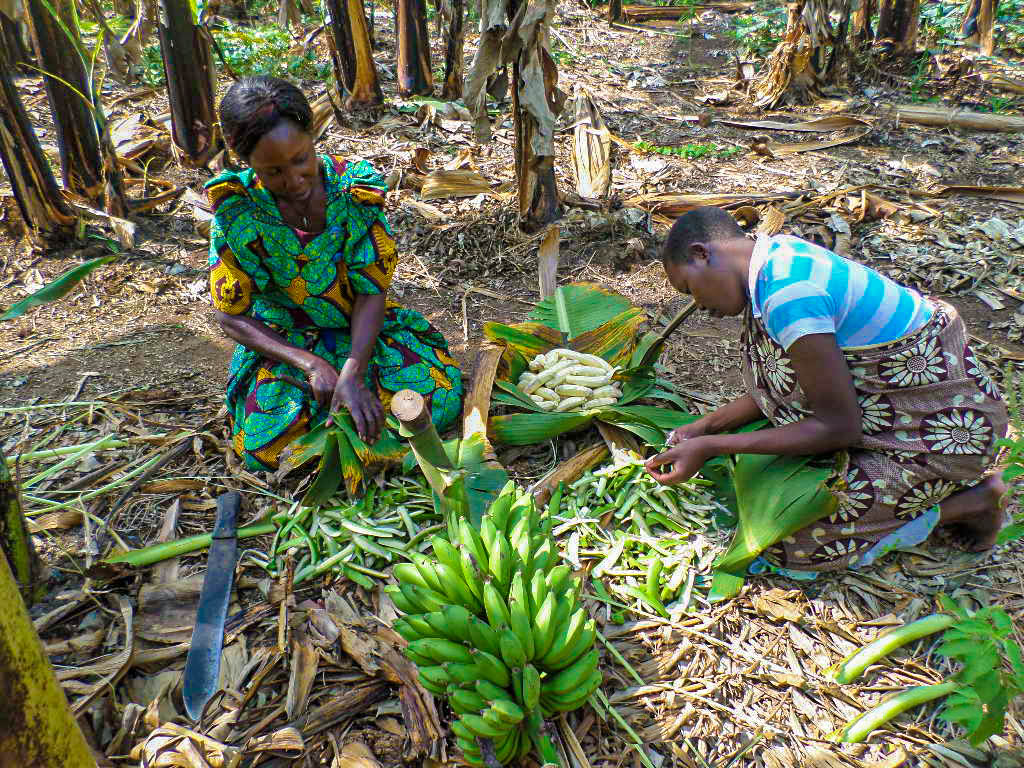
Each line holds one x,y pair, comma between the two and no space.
322,380
684,461
689,431
350,392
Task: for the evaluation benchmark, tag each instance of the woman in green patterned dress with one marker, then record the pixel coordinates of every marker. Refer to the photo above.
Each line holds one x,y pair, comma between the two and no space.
301,258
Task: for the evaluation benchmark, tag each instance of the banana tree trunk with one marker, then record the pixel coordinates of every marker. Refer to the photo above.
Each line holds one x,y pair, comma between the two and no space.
38,728
979,24
39,198
614,10
13,40
288,15
189,67
15,542
69,92
454,40
536,103
414,75
897,25
860,30
416,426
348,37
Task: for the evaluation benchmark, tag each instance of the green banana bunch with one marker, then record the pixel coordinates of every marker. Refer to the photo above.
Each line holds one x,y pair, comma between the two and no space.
494,624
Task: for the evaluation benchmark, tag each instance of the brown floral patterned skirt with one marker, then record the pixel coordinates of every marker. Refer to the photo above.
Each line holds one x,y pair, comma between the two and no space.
931,419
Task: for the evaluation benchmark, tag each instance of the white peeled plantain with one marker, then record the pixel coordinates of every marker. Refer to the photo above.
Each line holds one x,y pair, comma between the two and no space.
566,380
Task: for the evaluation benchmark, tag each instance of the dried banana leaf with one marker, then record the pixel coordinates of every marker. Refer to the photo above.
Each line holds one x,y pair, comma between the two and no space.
444,184
944,117
591,149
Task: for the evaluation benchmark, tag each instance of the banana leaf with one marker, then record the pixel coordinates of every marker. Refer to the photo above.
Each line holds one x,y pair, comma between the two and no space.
530,428
614,339
776,496
663,418
328,475
515,397
55,290
577,308
304,449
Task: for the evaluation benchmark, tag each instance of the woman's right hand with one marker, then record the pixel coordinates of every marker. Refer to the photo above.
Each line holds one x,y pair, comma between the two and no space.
322,378
697,428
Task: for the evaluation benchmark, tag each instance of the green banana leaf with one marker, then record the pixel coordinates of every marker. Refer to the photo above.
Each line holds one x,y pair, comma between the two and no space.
663,418
55,290
515,397
530,428
305,448
577,308
328,476
776,496
613,340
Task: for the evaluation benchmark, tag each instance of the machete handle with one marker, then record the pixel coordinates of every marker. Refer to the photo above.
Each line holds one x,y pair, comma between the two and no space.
228,505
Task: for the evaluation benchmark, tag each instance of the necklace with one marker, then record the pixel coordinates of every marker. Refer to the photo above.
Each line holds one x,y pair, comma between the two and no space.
305,222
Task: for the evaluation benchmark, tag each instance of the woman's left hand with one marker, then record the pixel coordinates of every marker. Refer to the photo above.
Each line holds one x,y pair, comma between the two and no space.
684,460
351,393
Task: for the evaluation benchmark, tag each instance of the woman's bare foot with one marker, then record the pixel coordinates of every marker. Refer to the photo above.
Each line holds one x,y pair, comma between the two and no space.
976,512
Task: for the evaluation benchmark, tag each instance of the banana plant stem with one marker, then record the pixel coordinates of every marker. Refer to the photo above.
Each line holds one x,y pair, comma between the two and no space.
165,550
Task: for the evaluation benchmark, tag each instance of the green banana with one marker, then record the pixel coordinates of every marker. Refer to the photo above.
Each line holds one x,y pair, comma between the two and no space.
462,732
465,701
471,541
428,686
482,728
484,636
494,606
500,563
576,698
401,602
445,552
458,620
492,668
426,600
500,514
442,650
544,627
503,503
464,674
490,691
437,676
471,574
525,745
538,591
519,540
531,687
519,622
558,578
438,626
467,746
401,626
512,651
517,685
418,658
507,711
506,748
455,588
419,624
544,557
566,634
409,573
568,655
572,677
425,568
488,534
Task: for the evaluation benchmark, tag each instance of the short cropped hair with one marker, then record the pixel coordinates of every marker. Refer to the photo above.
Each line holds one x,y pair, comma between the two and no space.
701,225
254,106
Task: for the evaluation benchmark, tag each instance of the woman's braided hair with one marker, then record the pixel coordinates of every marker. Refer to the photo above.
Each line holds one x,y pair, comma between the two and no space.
254,106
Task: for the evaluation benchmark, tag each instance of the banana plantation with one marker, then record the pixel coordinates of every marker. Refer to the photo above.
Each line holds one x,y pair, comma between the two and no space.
540,383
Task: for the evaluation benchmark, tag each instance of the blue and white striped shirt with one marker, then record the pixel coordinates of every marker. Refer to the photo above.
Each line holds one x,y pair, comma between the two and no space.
798,288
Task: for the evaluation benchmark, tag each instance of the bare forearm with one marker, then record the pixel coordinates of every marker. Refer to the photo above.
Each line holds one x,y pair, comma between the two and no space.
367,318
807,437
738,413
257,336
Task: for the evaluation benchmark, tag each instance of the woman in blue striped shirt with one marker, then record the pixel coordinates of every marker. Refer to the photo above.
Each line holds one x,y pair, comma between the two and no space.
842,359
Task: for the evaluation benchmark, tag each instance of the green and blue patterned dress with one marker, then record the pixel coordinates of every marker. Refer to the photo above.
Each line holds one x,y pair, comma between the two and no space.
303,286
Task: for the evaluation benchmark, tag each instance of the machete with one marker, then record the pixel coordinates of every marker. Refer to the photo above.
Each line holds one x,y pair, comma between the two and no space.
202,666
